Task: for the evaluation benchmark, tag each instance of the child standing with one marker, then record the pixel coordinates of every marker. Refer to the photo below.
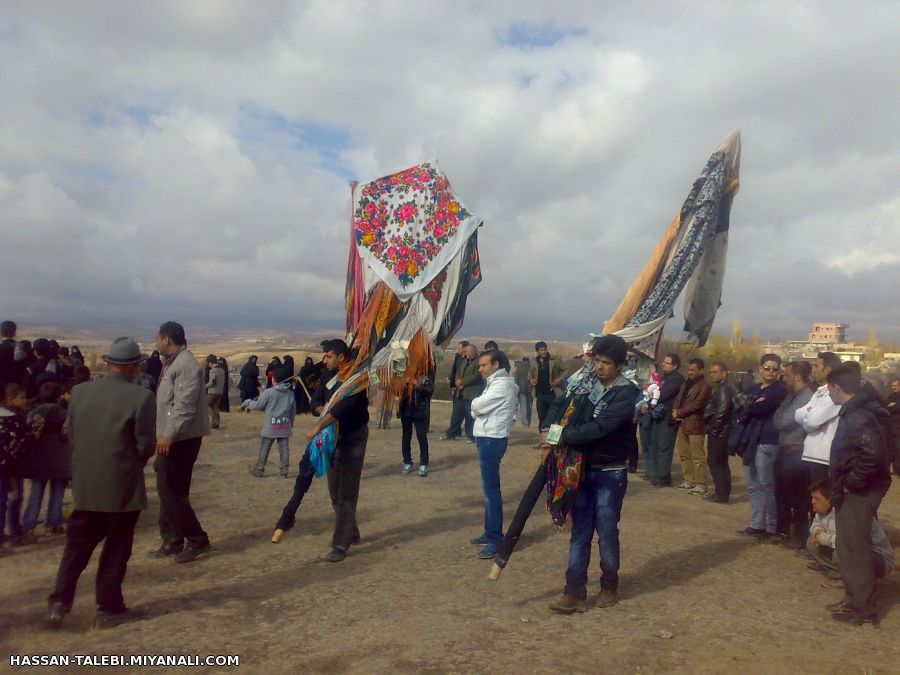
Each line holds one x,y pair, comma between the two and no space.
280,409
47,461
13,437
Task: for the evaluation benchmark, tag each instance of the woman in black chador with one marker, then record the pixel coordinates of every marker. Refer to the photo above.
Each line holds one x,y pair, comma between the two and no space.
248,385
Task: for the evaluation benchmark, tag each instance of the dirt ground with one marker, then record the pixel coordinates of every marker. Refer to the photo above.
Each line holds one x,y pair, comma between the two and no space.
412,596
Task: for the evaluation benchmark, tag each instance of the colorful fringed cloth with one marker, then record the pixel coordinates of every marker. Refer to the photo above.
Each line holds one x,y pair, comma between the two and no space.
565,469
419,363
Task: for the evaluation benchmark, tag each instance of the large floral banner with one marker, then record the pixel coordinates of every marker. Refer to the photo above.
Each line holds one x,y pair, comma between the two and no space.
409,226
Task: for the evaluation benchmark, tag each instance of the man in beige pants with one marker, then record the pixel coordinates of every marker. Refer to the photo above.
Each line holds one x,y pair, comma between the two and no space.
215,388
690,443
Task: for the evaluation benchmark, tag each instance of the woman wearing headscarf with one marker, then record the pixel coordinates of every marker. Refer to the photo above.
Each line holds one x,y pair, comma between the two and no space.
270,371
76,357
289,363
248,385
154,366
224,405
309,376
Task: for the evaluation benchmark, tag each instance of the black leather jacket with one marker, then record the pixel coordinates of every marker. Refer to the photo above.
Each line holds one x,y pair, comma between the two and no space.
719,412
859,451
667,393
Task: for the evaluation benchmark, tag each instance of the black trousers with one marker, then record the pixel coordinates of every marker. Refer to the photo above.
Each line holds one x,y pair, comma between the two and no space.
343,486
421,426
853,521
305,475
815,472
542,403
717,459
84,531
461,414
792,492
177,520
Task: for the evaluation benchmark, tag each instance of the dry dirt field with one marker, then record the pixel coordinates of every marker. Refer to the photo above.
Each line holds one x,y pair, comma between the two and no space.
412,597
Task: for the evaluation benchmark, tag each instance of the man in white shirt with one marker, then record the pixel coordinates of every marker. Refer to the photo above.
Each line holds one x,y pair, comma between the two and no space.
819,419
494,412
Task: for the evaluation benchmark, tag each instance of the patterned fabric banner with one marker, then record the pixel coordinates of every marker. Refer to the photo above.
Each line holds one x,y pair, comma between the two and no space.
408,227
692,253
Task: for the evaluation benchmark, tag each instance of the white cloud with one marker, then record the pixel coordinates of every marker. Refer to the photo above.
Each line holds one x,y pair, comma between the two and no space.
192,158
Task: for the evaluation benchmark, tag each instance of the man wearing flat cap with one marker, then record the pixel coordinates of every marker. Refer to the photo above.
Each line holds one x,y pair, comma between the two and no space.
111,425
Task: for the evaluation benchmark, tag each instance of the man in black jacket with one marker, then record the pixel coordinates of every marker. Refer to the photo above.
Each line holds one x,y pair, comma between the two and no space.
10,371
893,407
860,478
605,432
663,429
718,417
351,413
306,472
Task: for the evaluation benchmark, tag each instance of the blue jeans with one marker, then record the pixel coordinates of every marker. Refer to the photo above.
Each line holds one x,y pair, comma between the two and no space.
490,453
10,506
54,505
761,488
598,506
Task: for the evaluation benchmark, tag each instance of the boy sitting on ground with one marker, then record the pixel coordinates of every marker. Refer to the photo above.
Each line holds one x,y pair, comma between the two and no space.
823,536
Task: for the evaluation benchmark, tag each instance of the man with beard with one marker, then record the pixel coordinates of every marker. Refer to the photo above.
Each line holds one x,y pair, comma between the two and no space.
181,424
351,413
663,428
687,411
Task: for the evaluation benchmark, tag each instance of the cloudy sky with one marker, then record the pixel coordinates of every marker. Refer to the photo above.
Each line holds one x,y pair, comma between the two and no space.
191,159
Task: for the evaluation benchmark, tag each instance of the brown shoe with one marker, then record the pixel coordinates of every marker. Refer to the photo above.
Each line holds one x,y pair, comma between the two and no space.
568,604
605,598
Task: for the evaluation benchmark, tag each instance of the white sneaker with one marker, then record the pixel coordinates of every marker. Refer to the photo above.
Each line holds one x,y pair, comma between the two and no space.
698,490
686,486
423,470
407,468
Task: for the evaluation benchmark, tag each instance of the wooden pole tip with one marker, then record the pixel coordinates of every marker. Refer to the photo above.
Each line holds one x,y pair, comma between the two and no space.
495,572
277,535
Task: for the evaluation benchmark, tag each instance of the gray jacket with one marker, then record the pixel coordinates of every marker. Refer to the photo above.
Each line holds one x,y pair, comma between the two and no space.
181,398
473,383
523,375
281,408
789,431
111,437
215,386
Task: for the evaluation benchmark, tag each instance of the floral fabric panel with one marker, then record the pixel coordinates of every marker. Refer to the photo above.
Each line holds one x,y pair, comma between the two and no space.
409,225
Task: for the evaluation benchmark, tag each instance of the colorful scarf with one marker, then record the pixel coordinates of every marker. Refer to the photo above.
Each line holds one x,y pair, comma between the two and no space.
565,466
408,226
321,447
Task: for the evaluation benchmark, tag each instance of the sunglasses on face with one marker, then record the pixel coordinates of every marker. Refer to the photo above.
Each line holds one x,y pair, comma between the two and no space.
771,369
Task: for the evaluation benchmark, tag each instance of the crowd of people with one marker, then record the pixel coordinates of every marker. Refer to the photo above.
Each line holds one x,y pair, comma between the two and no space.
816,442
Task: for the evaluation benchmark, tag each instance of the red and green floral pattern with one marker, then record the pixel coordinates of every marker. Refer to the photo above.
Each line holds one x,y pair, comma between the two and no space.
406,219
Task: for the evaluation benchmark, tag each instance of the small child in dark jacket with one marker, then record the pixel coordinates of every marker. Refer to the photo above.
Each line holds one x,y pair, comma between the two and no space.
13,439
47,461
280,408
